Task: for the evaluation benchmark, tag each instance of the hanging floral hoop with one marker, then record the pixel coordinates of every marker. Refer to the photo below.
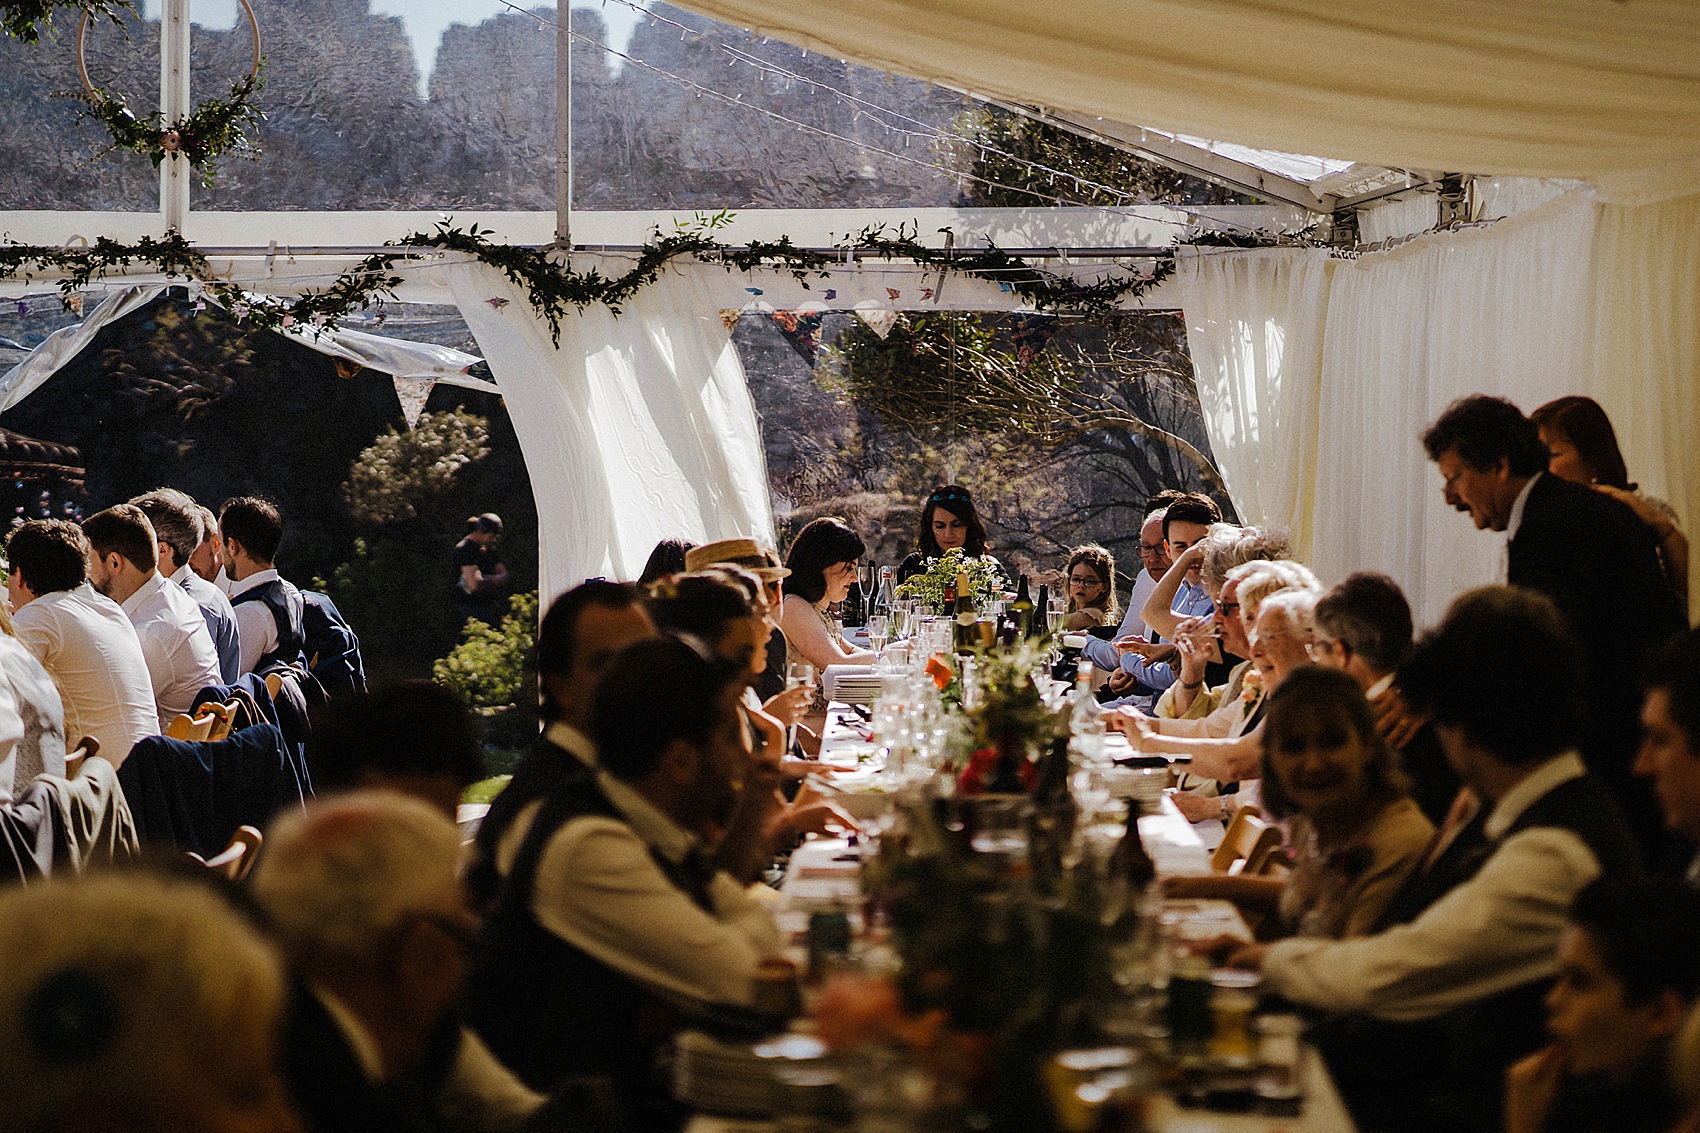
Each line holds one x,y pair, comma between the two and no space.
215,127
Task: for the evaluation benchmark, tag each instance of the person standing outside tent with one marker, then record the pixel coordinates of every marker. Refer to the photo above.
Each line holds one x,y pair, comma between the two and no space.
479,573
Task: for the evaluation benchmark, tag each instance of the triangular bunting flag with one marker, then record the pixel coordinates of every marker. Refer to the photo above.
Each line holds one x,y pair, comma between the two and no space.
801,331
412,393
880,322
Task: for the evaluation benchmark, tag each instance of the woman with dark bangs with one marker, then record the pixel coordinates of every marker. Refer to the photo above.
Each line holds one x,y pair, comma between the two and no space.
949,522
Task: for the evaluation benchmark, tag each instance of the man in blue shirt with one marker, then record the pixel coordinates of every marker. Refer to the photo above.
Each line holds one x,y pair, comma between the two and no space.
1186,522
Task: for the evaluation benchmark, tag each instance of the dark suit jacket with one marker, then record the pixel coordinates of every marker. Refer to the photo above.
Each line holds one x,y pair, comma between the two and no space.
331,1091
1599,564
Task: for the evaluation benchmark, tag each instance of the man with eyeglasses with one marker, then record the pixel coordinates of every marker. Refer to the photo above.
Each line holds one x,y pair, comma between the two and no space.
1154,563
1364,628
361,893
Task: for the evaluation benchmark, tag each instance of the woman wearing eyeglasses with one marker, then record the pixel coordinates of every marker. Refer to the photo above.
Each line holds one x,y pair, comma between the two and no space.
1091,582
948,522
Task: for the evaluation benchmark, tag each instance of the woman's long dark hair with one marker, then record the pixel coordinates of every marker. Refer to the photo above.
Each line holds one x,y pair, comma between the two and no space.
1582,422
823,542
956,500
1312,688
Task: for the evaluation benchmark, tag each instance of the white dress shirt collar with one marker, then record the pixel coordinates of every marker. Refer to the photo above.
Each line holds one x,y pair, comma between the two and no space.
1516,518
569,738
181,574
359,1039
1555,771
144,594
258,578
656,830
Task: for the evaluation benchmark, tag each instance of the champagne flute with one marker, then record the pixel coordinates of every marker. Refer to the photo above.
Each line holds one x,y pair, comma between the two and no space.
1054,615
879,631
798,674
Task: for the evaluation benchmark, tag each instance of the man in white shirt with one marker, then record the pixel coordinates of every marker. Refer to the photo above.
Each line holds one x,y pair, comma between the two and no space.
176,523
269,610
614,928
81,637
124,566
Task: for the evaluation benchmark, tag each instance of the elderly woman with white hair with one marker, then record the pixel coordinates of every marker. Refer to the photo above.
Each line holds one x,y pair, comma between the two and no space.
136,1003
1277,600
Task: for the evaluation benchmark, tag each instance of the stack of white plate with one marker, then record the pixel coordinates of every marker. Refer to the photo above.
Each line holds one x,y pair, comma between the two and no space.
851,684
720,1077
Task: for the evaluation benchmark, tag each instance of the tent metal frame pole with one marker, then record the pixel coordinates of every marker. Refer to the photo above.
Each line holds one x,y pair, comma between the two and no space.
174,104
563,125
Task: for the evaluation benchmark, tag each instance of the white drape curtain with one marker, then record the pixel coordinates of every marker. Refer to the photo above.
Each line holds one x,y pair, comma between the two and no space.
1254,329
1571,88
635,428
1575,297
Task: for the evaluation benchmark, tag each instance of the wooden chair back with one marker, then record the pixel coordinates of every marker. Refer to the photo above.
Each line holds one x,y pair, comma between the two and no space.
224,717
236,859
273,683
1244,833
74,758
197,729
1265,858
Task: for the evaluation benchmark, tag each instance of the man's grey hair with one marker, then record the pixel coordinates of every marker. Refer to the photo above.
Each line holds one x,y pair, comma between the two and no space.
127,998
176,520
1227,546
337,877
209,523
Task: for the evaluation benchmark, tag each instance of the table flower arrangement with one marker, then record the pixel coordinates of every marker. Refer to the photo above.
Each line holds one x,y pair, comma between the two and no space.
985,578
1010,724
996,973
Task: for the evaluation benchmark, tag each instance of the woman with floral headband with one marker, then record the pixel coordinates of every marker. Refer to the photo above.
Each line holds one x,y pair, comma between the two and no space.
948,522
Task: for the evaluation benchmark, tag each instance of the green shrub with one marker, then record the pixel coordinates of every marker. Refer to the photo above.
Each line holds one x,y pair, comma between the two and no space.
488,667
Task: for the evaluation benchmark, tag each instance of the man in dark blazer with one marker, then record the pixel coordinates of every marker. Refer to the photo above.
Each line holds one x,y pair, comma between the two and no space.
1584,550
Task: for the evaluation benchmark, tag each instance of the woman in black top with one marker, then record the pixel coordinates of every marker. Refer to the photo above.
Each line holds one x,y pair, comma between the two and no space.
479,573
948,522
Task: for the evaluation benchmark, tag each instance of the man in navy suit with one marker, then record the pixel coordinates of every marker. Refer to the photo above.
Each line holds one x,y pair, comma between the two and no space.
1584,550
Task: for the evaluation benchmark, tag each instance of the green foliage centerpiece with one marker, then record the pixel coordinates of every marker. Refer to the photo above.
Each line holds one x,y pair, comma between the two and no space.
985,578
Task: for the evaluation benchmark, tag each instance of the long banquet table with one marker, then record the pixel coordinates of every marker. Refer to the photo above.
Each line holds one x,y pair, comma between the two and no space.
824,872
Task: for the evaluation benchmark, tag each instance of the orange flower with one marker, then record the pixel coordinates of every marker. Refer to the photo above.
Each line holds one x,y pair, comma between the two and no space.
854,1009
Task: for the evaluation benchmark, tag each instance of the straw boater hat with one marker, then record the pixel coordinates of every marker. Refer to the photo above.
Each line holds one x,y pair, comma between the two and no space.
747,553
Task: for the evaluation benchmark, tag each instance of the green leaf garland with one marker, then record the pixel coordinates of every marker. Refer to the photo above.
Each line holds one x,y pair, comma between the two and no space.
554,289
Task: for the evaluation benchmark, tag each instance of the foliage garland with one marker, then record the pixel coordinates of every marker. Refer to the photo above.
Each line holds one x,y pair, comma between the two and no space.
554,288
214,128
19,18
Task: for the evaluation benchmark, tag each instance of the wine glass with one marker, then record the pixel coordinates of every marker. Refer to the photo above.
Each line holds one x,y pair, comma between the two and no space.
1055,613
879,631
